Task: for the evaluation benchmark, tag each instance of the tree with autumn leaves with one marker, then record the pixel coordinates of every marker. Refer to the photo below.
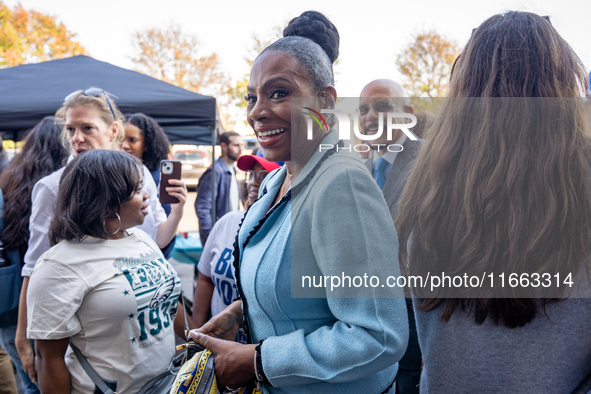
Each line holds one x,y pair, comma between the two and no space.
28,36
172,56
426,64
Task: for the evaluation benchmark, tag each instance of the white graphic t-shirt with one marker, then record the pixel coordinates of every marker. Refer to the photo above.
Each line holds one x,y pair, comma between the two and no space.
216,260
116,299
216,263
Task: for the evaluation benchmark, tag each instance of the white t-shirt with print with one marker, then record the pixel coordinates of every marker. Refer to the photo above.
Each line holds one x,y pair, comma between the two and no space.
216,260
216,263
116,299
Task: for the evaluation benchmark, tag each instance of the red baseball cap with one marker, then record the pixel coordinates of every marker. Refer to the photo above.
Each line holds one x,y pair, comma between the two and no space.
246,162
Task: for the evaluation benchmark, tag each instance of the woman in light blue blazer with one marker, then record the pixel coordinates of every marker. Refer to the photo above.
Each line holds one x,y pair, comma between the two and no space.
319,220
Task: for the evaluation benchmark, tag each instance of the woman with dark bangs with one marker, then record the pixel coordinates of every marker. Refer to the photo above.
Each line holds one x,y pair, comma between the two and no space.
501,186
104,286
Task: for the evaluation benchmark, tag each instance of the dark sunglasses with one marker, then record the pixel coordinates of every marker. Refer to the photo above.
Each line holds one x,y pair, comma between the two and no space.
92,92
251,176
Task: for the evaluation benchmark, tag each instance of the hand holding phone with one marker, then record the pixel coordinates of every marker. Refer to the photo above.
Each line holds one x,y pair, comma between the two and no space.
169,169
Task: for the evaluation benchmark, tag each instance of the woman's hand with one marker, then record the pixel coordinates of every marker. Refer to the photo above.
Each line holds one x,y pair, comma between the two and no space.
27,356
179,191
233,363
224,325
167,230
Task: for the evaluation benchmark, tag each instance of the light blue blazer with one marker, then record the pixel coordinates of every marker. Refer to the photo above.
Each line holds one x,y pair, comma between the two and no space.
335,223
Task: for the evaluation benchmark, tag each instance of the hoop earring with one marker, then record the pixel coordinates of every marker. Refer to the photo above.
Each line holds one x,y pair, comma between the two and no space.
118,228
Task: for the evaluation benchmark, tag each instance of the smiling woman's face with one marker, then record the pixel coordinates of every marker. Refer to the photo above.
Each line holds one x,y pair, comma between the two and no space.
133,212
275,78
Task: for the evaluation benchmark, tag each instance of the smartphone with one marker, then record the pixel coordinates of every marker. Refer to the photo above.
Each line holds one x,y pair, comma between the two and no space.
169,169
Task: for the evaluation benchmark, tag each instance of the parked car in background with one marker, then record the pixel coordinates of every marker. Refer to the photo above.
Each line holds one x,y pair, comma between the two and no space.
194,161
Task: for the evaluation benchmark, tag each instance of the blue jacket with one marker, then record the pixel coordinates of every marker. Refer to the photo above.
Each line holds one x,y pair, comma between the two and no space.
223,178
337,223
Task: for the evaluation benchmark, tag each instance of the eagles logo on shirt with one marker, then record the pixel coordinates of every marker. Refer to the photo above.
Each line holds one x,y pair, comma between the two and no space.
162,293
156,287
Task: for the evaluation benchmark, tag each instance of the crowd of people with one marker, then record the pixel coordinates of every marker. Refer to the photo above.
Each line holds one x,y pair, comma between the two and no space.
497,182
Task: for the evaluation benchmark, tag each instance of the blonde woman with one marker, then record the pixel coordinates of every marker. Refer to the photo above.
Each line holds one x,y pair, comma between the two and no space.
91,120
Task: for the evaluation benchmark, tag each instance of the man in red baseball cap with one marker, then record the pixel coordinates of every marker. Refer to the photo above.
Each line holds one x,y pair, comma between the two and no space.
214,264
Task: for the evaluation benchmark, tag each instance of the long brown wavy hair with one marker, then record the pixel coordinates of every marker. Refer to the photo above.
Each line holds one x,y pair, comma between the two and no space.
502,180
42,154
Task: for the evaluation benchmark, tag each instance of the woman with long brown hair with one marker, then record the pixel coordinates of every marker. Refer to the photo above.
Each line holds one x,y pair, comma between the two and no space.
41,155
501,188
104,287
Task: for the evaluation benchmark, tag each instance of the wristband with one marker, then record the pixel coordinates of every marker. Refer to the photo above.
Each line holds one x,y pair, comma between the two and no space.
258,365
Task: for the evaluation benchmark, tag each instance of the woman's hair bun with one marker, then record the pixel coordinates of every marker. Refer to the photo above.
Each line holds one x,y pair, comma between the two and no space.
316,27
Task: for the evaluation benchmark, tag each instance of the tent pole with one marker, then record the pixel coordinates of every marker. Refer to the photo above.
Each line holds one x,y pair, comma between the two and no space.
213,191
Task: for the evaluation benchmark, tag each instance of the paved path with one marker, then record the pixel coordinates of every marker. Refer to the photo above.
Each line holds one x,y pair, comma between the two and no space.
189,219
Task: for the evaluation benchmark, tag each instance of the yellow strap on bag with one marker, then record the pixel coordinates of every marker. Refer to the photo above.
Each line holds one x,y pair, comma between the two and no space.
197,377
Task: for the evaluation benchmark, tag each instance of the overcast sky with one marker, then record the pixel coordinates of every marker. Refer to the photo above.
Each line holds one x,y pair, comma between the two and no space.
372,32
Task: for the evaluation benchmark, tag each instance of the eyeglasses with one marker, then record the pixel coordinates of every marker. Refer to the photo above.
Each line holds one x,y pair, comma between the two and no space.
92,92
251,176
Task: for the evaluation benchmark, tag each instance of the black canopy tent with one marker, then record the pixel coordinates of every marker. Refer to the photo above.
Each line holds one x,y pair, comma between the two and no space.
30,92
